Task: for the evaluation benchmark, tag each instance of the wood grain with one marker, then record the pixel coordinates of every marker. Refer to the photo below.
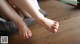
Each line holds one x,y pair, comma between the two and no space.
68,32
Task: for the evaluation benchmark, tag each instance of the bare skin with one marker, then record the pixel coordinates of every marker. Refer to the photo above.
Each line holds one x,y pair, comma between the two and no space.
12,15
29,8
50,25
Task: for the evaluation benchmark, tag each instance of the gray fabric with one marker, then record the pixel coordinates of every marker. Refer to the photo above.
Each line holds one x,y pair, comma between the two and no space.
29,21
12,27
8,27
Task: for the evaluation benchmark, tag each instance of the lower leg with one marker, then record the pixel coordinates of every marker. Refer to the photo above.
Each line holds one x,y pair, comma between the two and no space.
29,7
3,16
24,13
35,2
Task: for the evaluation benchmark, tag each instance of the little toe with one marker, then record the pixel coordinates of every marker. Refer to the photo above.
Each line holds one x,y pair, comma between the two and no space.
55,30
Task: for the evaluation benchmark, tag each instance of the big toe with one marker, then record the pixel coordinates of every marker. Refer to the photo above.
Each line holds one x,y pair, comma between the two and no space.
30,33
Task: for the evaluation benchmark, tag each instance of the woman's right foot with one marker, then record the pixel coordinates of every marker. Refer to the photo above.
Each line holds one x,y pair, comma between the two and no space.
25,32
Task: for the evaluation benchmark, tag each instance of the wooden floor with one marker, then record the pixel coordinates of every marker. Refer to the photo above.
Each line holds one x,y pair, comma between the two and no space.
69,30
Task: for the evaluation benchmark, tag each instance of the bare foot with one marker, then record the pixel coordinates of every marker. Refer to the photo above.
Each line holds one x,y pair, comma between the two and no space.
25,32
49,24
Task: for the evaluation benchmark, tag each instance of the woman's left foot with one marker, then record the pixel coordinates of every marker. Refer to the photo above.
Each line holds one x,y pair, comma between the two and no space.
49,24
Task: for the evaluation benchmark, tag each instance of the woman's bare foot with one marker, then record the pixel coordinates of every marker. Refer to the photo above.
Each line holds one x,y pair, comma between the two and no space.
25,32
49,24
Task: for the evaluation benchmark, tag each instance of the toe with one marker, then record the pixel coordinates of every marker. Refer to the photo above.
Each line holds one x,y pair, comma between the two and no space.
54,29
29,33
26,35
56,24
